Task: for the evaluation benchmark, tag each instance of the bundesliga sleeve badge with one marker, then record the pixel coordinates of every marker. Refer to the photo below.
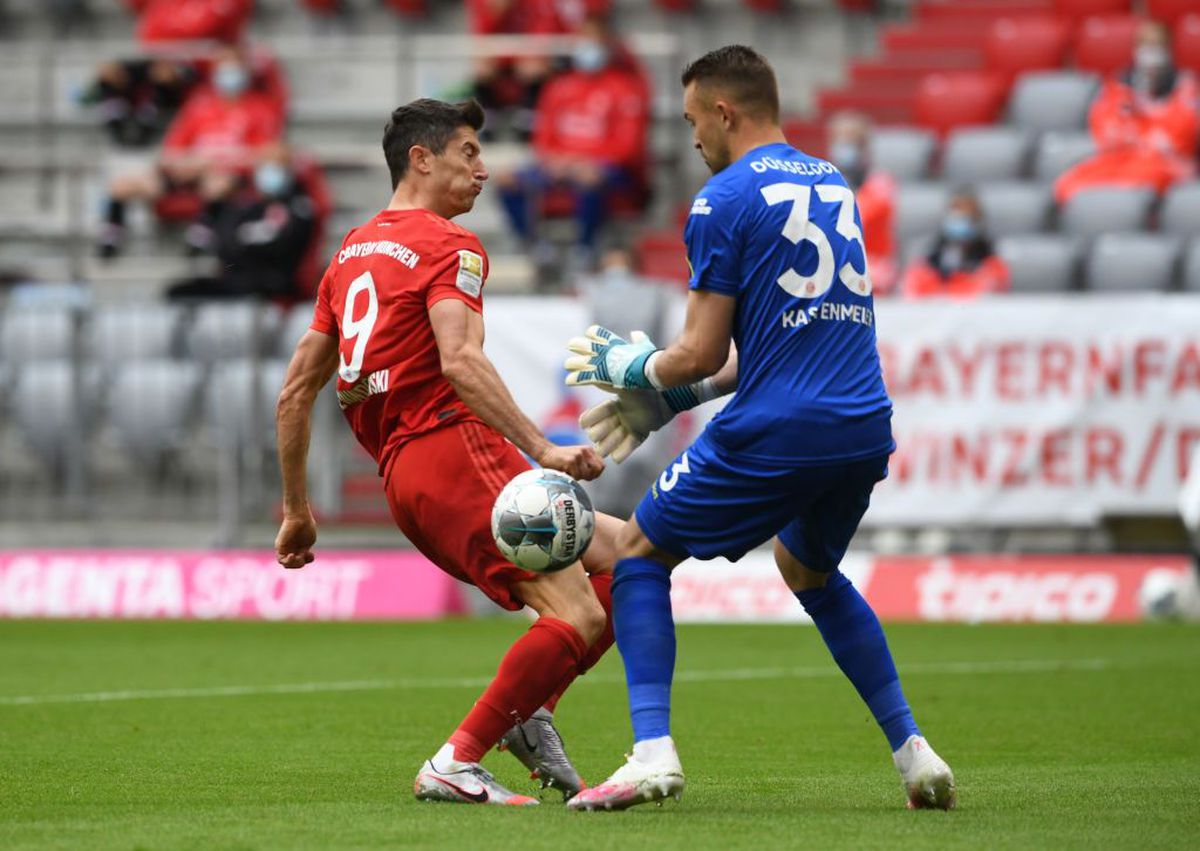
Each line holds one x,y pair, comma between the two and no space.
470,273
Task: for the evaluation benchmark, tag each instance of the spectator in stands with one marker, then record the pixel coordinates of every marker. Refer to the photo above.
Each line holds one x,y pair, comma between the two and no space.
589,138
137,97
191,20
260,230
508,86
962,263
222,123
1145,123
875,191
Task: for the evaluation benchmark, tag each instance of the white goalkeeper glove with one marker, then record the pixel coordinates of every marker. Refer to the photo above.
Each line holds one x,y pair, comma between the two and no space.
608,360
620,425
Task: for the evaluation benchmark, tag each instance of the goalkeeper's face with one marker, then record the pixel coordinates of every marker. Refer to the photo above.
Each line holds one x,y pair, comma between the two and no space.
458,172
710,120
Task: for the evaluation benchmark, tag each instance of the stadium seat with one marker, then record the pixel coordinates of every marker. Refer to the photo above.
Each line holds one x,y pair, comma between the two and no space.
953,99
1015,207
239,412
902,152
1022,44
232,329
976,154
919,209
1105,43
123,333
1143,262
1052,100
1058,150
36,333
151,405
294,324
1040,263
1107,209
1180,213
1169,11
916,248
1187,43
44,407
1190,274
1079,9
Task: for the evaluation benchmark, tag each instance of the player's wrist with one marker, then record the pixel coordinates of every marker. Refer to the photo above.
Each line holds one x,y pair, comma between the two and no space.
650,369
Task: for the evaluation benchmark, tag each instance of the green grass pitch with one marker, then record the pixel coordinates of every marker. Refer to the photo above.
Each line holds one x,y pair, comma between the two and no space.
1061,737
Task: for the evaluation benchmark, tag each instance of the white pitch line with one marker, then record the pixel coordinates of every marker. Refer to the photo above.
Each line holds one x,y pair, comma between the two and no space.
1010,666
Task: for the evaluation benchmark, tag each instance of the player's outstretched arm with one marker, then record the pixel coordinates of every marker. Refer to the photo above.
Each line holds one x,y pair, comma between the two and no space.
312,365
459,333
701,351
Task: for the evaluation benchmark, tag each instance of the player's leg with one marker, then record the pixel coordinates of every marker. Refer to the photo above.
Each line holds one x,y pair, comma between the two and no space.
808,552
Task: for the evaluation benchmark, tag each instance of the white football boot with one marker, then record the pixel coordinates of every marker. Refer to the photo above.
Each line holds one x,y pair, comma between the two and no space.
928,781
443,778
539,747
636,782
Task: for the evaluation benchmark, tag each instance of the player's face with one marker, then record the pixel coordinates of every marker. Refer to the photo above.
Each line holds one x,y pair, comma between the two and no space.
459,171
709,133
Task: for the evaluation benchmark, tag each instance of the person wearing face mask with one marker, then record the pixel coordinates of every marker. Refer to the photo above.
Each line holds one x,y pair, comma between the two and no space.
1145,123
221,124
874,190
962,263
589,139
259,228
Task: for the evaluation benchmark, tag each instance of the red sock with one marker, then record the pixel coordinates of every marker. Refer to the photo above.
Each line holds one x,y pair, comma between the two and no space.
529,672
602,585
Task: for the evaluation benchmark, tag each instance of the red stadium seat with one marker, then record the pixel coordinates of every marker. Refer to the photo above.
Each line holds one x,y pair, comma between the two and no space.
1105,43
1169,11
409,8
1080,9
1026,44
1187,43
764,5
979,10
660,254
948,100
676,5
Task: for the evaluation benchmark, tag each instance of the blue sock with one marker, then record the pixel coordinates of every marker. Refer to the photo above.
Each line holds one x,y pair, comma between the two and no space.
855,638
645,630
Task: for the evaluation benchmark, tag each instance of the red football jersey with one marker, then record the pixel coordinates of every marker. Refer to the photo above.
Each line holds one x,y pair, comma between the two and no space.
375,297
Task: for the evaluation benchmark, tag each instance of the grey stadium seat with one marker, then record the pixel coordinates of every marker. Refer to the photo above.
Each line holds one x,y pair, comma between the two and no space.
1058,151
903,152
239,411
1134,262
1052,100
43,406
295,323
151,405
919,209
1042,263
123,333
1015,207
219,330
1181,210
1106,209
36,333
1190,274
976,154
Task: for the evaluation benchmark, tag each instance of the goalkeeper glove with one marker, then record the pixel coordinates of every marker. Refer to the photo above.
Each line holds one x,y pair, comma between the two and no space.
606,359
619,426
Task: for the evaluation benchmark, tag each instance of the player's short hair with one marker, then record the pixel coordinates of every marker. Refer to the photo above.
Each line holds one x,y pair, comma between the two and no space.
742,74
426,122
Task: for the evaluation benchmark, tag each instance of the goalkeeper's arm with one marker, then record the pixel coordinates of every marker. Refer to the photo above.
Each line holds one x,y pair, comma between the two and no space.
702,350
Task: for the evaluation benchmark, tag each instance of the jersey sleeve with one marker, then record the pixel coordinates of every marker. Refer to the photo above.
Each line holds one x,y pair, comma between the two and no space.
460,273
323,319
713,240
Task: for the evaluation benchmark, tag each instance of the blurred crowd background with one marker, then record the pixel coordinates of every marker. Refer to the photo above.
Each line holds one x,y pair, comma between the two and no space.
175,174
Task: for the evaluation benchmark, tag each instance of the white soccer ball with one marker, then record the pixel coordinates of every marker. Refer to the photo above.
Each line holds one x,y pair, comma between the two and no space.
543,521
1160,594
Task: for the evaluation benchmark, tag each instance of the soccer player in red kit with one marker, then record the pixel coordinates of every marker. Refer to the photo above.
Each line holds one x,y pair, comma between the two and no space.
398,318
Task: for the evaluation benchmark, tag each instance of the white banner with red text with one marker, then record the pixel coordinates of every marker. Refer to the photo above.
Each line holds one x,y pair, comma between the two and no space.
403,585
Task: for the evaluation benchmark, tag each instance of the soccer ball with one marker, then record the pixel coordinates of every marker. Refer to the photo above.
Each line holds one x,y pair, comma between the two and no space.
1160,593
543,521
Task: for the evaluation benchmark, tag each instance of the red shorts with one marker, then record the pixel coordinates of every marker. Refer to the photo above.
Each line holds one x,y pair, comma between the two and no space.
441,487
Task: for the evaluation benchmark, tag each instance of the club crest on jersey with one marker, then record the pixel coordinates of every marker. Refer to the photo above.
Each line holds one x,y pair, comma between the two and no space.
470,273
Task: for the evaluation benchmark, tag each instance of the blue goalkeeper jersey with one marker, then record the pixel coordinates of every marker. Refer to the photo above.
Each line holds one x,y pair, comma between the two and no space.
779,231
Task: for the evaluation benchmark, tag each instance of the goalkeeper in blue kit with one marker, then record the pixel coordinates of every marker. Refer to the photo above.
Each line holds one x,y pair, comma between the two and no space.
775,246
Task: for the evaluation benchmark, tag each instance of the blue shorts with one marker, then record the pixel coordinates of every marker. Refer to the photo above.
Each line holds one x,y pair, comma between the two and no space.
708,504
